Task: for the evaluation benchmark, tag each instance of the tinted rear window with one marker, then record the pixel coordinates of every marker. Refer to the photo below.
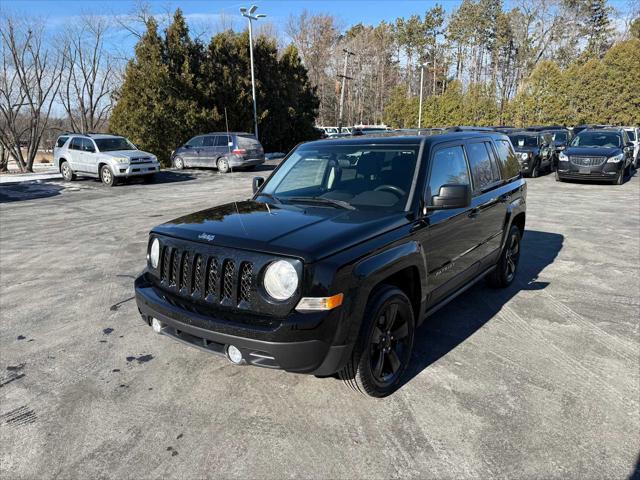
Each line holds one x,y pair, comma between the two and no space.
248,142
507,159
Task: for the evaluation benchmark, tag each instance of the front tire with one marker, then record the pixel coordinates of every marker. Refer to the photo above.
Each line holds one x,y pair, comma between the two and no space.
223,165
535,171
507,267
620,178
178,163
383,350
67,173
107,176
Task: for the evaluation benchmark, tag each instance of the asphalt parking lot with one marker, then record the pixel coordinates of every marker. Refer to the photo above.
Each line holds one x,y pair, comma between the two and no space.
537,381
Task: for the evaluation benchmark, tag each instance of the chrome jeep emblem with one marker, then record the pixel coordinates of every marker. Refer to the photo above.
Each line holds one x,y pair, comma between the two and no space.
207,237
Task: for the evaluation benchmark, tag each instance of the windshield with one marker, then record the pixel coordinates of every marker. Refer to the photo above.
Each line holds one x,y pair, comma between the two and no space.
113,144
632,135
597,139
361,176
524,141
559,136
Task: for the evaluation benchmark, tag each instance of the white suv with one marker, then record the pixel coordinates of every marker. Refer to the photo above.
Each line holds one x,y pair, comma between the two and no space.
108,157
634,136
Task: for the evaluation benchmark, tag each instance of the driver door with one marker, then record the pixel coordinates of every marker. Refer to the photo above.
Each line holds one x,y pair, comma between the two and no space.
448,240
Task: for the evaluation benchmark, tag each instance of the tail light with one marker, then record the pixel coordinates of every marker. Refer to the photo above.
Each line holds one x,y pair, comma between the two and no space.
239,151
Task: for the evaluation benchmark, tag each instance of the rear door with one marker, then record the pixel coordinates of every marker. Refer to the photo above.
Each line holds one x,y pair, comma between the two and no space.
222,145
75,154
489,205
448,241
207,156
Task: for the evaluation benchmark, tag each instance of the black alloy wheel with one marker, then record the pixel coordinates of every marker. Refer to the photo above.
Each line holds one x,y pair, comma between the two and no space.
383,351
507,266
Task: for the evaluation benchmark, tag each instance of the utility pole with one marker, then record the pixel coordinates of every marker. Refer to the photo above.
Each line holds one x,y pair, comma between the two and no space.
421,84
344,79
249,14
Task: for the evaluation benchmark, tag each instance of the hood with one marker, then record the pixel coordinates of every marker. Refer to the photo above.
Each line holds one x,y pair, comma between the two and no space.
128,154
306,232
593,151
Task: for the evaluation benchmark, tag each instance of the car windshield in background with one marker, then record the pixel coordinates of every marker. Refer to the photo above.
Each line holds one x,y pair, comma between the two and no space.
632,135
524,140
348,176
597,139
559,137
113,144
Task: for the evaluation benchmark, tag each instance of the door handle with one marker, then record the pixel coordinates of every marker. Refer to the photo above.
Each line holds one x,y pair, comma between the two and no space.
505,198
473,213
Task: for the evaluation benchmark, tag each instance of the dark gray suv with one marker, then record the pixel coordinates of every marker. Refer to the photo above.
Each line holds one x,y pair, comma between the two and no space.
222,150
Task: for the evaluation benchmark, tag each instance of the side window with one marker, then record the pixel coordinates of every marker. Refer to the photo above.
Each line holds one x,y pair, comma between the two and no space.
87,145
449,167
222,140
61,141
196,142
507,159
480,163
209,141
494,162
75,144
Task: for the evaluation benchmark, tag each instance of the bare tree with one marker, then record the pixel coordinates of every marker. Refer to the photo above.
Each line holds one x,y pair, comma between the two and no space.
89,78
30,78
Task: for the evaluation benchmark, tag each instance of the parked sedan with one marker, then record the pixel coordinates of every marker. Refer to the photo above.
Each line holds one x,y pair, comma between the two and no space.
597,154
224,151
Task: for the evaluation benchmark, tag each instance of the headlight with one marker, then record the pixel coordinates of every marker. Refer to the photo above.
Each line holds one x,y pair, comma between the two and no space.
154,253
563,157
281,280
524,156
616,159
121,159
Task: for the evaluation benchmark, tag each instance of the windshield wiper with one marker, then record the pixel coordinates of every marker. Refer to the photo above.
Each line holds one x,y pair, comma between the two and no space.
268,195
323,200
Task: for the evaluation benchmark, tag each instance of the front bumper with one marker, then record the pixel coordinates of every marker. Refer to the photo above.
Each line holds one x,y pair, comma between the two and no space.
135,169
300,343
606,172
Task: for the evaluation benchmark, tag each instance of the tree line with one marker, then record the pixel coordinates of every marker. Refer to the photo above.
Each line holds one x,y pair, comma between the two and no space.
176,87
482,55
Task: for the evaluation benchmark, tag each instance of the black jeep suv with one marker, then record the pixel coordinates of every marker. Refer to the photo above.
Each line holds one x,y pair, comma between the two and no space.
535,151
340,254
602,154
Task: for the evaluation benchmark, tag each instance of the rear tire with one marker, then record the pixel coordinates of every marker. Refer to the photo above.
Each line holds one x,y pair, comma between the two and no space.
383,350
107,176
507,266
535,171
223,165
67,173
178,163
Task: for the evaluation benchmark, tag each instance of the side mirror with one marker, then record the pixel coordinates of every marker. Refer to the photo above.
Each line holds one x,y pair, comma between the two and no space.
451,196
630,145
257,183
186,145
90,149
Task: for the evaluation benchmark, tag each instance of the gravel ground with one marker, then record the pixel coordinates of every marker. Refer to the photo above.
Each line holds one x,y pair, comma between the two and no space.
537,381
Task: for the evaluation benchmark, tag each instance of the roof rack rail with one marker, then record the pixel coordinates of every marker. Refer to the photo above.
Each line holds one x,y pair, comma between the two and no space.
467,128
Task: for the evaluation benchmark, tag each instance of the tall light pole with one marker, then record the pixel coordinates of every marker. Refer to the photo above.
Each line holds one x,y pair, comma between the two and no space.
421,82
344,79
249,14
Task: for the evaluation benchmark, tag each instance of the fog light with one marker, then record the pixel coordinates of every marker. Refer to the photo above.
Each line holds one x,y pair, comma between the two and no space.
156,325
234,355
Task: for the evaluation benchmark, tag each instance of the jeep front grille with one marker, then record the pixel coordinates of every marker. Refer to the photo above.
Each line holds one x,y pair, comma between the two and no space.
587,161
195,274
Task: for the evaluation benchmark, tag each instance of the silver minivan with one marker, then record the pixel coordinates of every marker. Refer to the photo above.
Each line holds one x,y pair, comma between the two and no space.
221,150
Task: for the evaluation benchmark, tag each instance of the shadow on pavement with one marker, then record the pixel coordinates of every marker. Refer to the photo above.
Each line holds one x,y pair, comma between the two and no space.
19,192
164,176
446,329
635,473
